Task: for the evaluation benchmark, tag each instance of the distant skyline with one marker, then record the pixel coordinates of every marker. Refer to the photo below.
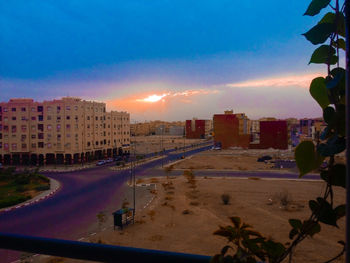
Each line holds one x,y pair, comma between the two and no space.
167,60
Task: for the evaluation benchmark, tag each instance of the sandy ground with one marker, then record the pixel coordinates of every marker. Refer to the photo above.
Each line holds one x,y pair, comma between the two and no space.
237,159
155,143
183,219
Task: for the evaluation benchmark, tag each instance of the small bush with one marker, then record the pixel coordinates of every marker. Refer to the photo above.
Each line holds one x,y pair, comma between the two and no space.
42,187
186,212
12,200
194,203
225,198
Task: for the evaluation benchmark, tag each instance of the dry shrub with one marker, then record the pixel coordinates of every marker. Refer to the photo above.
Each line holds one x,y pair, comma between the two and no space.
154,192
225,198
152,213
141,221
254,178
186,212
139,181
154,180
169,205
156,238
169,198
194,203
189,175
284,198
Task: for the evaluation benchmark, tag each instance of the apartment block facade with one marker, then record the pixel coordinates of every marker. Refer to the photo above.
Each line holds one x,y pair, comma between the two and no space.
198,129
67,130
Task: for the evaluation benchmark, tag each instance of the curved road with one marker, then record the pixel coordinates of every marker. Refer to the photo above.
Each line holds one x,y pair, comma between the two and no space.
69,213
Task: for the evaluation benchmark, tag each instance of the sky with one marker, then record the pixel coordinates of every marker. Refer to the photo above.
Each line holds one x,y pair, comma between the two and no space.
161,59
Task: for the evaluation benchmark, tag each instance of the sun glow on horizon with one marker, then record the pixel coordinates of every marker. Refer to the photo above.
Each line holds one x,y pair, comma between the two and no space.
153,98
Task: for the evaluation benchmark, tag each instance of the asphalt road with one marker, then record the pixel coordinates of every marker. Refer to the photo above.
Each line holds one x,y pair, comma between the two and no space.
69,213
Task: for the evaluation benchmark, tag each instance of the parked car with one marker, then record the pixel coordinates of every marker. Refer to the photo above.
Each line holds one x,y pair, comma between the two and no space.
109,160
102,162
118,158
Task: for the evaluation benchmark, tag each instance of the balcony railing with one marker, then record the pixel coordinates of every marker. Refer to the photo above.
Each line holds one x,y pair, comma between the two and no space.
92,251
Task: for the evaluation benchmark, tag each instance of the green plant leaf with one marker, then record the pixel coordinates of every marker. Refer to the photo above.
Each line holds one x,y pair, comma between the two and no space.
324,54
328,114
295,223
311,227
318,91
236,221
319,33
316,6
333,146
338,175
330,18
293,232
340,43
325,213
314,206
307,159
340,211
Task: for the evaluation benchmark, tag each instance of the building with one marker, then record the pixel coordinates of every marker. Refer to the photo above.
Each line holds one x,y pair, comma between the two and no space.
273,134
198,129
68,130
176,130
150,127
229,130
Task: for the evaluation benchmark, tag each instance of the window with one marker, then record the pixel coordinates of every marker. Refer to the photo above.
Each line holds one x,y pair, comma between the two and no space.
88,144
6,146
68,126
40,117
32,109
33,118
24,146
96,142
40,136
0,136
33,136
0,145
14,146
5,110
48,145
49,108
23,137
58,118
13,118
33,128
6,118
67,107
49,117
58,127
49,127
68,117
13,109
58,137
23,109
40,145
40,108
68,135
33,145
23,118
58,109
88,118
41,127
13,128
76,107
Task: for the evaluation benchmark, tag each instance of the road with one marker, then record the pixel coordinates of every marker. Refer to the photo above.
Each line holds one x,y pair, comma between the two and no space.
70,213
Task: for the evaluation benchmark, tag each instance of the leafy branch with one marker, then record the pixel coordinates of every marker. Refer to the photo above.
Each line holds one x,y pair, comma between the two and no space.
329,93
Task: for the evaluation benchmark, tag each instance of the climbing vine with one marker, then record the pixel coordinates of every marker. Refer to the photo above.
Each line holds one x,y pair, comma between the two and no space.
247,245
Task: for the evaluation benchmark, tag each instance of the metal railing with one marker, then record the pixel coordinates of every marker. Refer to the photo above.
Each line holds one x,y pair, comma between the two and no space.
93,251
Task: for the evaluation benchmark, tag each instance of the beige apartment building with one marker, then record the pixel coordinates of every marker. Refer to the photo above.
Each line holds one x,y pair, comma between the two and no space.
67,130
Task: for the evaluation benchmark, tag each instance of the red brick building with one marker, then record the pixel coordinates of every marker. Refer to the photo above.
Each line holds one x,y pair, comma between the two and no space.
195,129
227,132
273,134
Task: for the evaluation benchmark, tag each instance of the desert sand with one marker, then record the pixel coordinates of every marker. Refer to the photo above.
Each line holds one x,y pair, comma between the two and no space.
182,218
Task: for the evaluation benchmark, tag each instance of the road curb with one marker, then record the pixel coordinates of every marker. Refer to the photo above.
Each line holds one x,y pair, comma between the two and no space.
36,199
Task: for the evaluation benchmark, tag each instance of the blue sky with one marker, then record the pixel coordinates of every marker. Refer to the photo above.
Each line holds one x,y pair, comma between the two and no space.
122,51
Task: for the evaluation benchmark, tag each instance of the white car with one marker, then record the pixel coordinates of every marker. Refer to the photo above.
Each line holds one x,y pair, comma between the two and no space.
102,162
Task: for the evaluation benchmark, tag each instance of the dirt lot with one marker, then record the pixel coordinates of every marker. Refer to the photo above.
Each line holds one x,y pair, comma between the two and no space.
183,219
237,159
155,143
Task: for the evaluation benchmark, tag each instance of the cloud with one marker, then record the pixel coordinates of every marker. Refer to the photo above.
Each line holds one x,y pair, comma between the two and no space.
299,80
